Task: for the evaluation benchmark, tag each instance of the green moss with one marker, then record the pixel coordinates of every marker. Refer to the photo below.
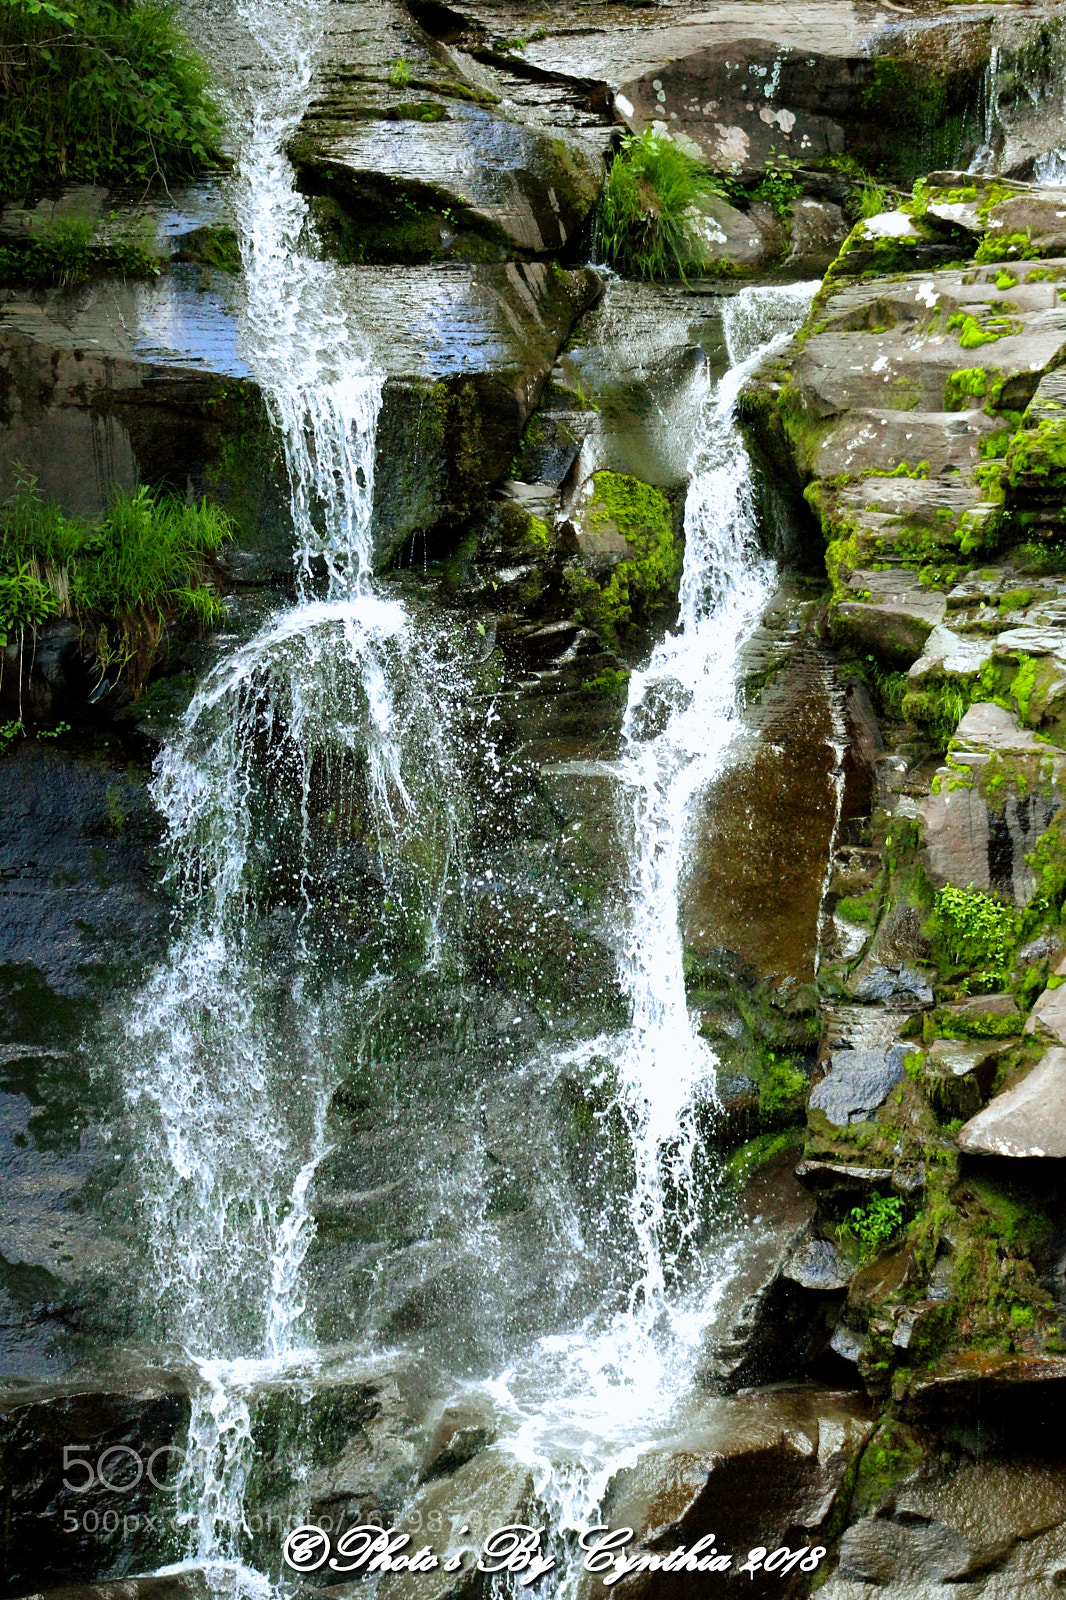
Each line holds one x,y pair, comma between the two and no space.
1022,685
972,333
746,1161
214,246
1039,454
901,470
782,1093
1000,247
642,515
964,385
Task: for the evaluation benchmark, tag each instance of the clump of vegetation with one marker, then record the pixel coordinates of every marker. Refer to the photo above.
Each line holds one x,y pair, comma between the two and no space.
400,73
70,252
644,579
782,1092
646,209
975,932
144,566
874,1224
779,186
746,1161
100,91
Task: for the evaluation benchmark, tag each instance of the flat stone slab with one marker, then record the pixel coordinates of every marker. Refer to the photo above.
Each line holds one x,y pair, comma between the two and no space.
952,653
1049,1014
858,1081
1028,1120
993,727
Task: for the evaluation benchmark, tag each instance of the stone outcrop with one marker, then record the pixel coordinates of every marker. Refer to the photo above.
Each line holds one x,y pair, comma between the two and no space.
410,157
1026,1120
136,1410
765,1468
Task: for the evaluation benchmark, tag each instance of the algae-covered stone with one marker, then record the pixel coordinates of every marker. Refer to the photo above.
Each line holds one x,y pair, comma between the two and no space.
630,556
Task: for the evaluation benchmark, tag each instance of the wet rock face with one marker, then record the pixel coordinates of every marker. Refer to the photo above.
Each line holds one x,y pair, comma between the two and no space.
117,384
137,1413
410,155
79,912
743,101
763,1469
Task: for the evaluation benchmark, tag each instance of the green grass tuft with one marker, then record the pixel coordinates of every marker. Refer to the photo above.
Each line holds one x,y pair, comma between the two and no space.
645,210
145,565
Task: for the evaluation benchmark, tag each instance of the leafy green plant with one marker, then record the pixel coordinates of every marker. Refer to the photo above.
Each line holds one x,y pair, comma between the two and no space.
98,91
646,208
975,931
70,252
874,1224
400,73
143,566
779,186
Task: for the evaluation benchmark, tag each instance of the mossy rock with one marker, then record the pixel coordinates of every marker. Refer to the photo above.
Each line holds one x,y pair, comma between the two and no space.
631,558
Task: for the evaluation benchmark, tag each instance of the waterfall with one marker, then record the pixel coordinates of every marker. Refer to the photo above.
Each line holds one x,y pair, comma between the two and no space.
311,785
583,1404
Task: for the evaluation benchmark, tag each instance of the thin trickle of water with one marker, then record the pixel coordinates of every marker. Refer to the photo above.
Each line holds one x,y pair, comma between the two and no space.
584,1404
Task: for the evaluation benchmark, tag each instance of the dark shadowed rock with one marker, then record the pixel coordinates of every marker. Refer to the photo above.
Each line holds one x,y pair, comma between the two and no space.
191,1585
135,1410
762,1468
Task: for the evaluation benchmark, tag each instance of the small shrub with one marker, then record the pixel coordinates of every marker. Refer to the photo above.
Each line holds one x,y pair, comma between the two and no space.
779,186
874,1224
645,211
975,932
100,91
400,73
70,253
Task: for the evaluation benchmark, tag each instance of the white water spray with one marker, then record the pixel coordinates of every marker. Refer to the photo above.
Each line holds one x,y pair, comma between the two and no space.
319,754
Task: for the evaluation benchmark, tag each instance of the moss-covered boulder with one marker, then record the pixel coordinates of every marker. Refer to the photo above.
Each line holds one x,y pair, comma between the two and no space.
630,554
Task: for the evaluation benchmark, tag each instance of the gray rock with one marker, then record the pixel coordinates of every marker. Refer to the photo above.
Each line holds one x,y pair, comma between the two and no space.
489,1492
1048,1016
192,1585
991,727
858,1081
881,1551
818,230
951,654
899,985
964,1074
761,1465
1027,1120
133,1406
464,1428
974,845
817,1264
747,239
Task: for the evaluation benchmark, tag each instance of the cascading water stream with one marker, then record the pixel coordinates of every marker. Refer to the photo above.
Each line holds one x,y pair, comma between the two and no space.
317,754
585,1403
